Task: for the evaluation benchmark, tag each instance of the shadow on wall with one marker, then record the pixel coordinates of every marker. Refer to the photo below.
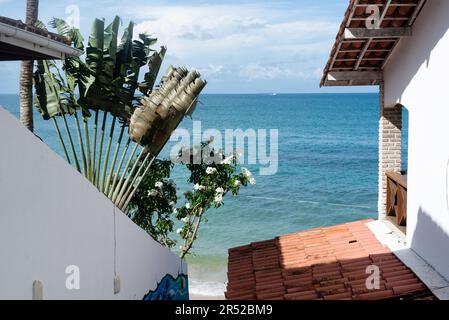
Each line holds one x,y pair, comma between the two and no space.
436,11
431,242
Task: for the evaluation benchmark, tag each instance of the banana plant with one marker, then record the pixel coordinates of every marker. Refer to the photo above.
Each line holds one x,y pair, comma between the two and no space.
105,92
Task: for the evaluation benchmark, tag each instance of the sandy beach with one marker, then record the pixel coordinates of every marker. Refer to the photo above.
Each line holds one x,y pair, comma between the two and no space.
201,297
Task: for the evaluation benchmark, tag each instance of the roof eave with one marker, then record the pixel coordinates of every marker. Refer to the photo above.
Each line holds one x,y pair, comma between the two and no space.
37,43
348,33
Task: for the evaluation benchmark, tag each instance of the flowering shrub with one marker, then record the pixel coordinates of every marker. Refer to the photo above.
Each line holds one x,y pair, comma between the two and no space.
155,209
153,205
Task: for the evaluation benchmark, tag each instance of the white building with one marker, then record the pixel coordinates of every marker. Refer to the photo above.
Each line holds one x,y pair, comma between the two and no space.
404,48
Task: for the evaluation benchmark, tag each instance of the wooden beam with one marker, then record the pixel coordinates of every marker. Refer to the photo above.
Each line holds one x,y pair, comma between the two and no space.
335,55
386,19
363,33
384,12
348,23
369,50
416,11
341,83
354,76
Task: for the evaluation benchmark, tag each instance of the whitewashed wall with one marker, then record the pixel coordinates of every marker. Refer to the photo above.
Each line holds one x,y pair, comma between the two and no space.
51,217
417,77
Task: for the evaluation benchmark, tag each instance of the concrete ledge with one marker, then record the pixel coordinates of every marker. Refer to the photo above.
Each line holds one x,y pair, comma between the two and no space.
395,241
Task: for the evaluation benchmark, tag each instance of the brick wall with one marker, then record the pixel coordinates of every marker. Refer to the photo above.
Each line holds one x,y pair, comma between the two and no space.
390,146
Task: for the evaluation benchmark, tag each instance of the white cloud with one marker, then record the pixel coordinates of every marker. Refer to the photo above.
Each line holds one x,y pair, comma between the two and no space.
258,72
212,70
232,34
318,73
252,42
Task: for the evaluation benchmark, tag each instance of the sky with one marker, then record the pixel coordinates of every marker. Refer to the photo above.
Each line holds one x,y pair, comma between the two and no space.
238,46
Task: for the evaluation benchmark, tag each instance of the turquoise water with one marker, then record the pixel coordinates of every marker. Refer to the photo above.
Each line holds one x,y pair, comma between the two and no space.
328,163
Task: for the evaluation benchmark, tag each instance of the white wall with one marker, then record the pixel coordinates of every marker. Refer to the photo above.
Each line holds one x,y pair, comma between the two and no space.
51,217
417,77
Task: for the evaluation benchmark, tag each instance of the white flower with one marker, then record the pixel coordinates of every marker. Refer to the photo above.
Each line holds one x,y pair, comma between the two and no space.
159,185
247,173
218,198
237,183
252,181
152,193
198,187
219,190
171,203
211,170
228,160
179,231
188,205
175,211
185,220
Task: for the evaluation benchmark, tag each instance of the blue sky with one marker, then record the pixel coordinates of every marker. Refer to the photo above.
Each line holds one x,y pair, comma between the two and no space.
239,46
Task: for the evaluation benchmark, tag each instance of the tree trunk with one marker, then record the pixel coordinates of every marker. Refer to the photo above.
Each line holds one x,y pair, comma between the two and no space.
26,74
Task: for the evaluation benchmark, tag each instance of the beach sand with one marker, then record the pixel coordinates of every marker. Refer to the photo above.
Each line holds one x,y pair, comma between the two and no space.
200,297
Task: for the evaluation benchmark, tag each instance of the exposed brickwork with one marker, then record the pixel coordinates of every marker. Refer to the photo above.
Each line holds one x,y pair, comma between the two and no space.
390,146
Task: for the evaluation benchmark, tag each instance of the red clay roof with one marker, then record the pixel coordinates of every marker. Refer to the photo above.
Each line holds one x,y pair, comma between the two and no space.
33,29
368,54
320,264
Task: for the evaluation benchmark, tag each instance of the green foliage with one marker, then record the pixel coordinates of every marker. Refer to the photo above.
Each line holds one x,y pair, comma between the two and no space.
154,206
106,80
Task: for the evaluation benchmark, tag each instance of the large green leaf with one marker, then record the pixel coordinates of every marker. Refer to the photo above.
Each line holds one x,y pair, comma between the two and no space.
53,97
72,34
109,76
94,51
154,65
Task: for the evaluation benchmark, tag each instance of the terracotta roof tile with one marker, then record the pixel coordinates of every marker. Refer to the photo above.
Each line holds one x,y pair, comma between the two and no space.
320,264
33,29
368,54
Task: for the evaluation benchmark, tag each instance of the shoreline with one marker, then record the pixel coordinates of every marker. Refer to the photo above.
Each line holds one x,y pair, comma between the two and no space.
198,297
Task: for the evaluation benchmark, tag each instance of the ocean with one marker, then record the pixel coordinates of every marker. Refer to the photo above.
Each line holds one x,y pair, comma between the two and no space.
328,164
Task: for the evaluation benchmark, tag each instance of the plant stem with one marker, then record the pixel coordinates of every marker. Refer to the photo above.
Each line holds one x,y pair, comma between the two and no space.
88,155
114,160
80,139
55,92
187,248
108,150
122,177
119,168
61,140
136,187
128,187
94,144
72,145
126,184
100,150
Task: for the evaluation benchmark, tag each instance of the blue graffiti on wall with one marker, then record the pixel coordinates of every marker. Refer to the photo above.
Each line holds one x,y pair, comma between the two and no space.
170,289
